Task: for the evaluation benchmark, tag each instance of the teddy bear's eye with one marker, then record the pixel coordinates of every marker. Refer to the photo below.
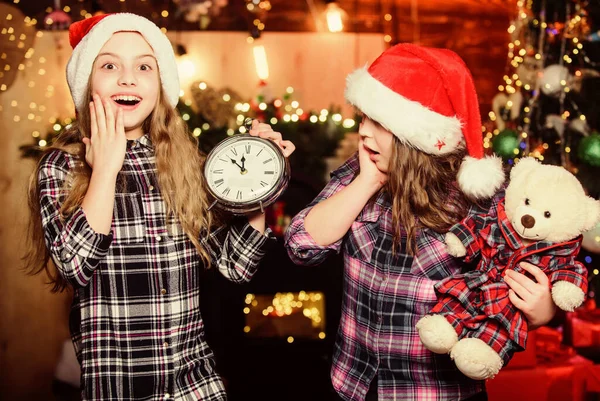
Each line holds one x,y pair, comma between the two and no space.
527,201
547,214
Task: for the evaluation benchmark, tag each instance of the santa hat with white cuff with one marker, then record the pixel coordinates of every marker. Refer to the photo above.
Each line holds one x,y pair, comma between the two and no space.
87,37
426,97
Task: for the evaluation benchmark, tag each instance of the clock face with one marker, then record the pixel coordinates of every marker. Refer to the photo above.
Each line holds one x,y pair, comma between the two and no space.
244,169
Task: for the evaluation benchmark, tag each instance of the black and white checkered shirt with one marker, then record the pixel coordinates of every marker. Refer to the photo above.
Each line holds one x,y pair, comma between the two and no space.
135,320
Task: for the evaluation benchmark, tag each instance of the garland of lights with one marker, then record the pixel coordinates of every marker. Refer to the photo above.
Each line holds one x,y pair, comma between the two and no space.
316,134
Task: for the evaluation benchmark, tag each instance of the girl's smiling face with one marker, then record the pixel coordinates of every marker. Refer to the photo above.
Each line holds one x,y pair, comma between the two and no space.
126,73
378,142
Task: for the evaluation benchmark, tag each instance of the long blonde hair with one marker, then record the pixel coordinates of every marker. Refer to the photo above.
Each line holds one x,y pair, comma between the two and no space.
179,170
423,192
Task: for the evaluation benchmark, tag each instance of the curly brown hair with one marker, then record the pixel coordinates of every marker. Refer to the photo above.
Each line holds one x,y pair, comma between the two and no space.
423,192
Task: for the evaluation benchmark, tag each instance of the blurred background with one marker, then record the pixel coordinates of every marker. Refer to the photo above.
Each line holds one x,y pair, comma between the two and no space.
536,68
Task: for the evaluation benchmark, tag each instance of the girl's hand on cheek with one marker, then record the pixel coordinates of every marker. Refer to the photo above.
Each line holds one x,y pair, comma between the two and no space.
106,146
369,174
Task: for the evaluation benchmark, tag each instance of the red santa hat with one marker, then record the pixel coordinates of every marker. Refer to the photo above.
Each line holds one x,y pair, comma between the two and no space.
87,37
426,98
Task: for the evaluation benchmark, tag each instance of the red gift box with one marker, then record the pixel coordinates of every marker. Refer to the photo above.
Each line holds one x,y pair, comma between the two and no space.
559,374
560,380
582,328
527,358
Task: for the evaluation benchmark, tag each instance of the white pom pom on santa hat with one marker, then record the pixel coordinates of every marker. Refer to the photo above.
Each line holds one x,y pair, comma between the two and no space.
426,97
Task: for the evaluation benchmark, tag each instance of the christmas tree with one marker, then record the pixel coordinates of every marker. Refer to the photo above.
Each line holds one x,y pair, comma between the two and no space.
548,104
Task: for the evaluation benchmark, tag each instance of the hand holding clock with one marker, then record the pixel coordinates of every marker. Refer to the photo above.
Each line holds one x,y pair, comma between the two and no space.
263,130
260,175
257,219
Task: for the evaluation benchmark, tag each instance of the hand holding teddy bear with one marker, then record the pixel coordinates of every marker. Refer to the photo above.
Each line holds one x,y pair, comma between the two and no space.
539,220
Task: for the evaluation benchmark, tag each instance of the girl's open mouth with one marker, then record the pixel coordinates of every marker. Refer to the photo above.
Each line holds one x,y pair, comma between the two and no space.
126,101
371,151
373,155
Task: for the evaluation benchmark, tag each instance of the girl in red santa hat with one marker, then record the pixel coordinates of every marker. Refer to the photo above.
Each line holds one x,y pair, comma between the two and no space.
420,168
119,205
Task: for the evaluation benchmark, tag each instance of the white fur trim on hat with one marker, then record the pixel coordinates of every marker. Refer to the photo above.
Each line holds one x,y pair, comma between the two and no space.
410,121
480,178
80,64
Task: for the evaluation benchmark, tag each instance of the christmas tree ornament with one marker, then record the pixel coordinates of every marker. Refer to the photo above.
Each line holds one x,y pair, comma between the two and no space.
557,123
554,79
506,144
579,125
591,240
528,70
246,173
589,149
506,108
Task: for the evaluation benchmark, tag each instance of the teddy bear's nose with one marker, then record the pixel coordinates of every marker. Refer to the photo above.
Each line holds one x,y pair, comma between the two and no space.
527,221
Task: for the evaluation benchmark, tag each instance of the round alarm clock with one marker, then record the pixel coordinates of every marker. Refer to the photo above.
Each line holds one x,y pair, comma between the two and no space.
245,173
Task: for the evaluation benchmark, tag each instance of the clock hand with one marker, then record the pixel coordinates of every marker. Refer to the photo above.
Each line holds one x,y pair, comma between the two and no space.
243,160
236,163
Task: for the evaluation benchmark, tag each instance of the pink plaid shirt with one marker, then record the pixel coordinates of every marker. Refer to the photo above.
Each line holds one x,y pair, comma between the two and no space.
384,297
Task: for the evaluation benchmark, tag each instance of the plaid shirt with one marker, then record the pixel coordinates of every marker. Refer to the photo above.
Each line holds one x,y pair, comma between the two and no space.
135,320
469,301
384,297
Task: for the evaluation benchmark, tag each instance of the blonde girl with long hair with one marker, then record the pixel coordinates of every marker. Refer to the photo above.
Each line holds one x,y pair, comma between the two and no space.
419,169
119,206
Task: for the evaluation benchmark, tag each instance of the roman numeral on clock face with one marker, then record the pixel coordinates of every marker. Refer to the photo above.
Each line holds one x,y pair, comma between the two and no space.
234,151
220,171
268,160
269,172
239,195
247,148
226,191
219,182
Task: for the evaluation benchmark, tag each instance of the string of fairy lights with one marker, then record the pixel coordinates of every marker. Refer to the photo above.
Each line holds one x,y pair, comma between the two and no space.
526,60
18,32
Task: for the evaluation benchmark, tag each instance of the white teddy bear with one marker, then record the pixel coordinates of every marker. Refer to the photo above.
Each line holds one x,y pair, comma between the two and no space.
539,220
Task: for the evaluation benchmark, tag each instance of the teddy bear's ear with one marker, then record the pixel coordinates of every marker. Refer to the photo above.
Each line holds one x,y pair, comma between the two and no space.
593,213
524,165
